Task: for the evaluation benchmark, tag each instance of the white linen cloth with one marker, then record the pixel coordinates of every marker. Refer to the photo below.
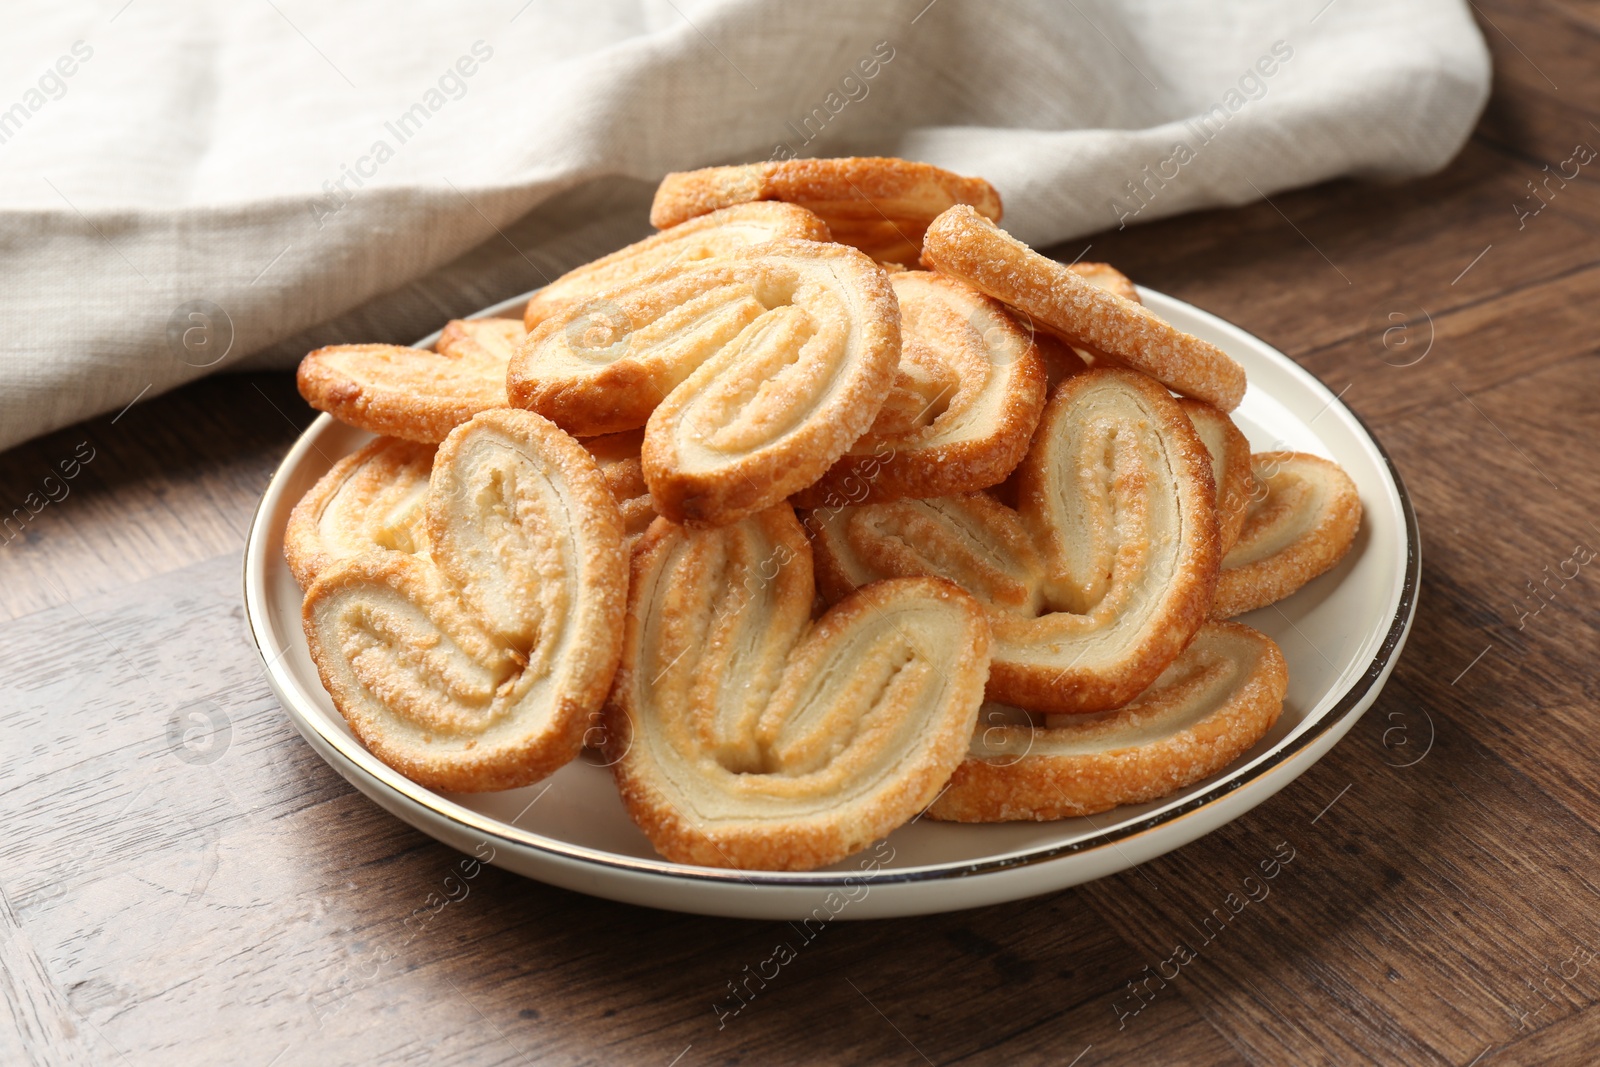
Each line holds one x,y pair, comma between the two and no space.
187,189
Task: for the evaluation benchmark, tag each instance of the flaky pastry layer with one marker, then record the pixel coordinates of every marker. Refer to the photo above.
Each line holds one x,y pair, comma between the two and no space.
743,734
1208,708
693,241
479,666
618,457
1230,467
1303,516
1099,577
879,205
752,374
373,498
967,395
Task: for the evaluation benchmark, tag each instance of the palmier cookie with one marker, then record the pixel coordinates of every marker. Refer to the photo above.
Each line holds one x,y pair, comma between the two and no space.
881,206
694,241
1302,519
1211,706
371,499
480,667
618,457
410,392
967,395
755,372
963,243
743,734
1230,467
1099,578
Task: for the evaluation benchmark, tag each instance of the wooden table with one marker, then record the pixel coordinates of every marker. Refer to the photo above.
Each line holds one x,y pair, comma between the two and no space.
231,900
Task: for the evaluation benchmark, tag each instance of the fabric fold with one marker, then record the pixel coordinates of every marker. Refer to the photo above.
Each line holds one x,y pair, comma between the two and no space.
184,194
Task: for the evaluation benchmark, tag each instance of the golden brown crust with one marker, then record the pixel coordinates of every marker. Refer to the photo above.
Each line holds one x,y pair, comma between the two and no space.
963,243
770,413
1139,547
694,241
1112,280
879,205
370,499
1099,578
741,734
1061,360
971,539
1230,467
618,457
1302,519
755,372
1211,706
472,616
479,666
409,392
967,396
490,343
1109,278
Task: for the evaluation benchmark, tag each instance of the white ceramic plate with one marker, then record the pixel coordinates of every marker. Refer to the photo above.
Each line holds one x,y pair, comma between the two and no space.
1341,635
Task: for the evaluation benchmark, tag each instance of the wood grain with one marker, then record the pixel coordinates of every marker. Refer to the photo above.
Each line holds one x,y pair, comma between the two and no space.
183,881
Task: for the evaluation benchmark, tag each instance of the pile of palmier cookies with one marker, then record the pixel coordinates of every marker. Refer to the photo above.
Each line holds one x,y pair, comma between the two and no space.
829,504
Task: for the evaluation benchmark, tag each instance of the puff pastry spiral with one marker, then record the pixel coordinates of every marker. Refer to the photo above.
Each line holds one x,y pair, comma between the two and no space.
751,374
744,735
1301,521
966,398
1101,575
695,241
479,667
373,498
